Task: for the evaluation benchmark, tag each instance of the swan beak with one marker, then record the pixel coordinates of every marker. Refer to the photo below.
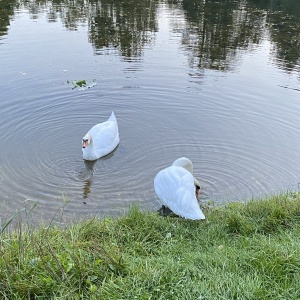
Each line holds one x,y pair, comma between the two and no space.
84,143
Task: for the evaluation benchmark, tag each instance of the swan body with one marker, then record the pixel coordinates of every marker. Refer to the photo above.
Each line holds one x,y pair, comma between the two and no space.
175,187
101,139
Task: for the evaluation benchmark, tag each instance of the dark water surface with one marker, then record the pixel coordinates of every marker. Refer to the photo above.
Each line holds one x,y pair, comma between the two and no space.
216,81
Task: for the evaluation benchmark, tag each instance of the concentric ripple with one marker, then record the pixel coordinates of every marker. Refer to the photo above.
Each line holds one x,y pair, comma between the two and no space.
241,132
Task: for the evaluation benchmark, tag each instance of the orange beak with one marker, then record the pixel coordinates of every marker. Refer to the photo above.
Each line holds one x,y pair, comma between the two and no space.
84,144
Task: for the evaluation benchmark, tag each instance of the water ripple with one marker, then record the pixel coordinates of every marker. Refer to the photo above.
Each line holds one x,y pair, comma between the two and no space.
240,128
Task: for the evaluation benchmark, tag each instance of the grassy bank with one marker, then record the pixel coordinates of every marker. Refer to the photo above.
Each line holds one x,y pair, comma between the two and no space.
242,251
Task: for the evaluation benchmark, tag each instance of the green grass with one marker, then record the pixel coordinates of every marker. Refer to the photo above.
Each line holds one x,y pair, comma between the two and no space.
242,251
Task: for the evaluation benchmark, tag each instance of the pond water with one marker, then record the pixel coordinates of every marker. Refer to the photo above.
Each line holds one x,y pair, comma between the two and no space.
216,81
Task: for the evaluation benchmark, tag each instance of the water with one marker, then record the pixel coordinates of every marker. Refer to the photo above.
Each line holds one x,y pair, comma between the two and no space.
216,81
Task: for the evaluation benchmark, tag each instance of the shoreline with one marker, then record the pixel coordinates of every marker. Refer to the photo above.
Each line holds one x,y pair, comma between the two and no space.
241,251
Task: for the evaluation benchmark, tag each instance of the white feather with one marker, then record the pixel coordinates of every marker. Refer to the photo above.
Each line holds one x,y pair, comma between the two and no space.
102,139
175,188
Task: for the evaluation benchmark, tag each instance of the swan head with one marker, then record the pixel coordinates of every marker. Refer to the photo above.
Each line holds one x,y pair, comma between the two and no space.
86,140
188,165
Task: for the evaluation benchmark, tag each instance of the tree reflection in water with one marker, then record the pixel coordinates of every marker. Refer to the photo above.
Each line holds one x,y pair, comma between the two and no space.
213,32
216,29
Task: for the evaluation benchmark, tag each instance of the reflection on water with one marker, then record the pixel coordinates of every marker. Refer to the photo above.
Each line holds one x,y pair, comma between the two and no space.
87,188
217,81
87,174
88,178
213,30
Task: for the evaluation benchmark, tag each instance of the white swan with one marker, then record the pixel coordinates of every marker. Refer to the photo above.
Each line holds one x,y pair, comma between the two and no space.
101,139
175,186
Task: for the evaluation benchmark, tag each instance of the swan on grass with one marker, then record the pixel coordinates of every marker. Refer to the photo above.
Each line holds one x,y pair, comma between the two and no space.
101,139
177,189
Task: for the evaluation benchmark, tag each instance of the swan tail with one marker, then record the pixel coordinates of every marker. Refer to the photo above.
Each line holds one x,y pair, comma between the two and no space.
112,117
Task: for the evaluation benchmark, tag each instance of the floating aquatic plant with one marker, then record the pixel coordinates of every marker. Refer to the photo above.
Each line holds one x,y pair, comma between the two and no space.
81,85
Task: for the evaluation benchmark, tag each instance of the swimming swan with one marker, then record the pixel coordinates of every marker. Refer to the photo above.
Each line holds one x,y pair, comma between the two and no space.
176,188
101,139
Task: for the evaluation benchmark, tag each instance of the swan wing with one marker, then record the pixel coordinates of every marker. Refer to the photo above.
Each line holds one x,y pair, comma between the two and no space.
105,136
174,186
